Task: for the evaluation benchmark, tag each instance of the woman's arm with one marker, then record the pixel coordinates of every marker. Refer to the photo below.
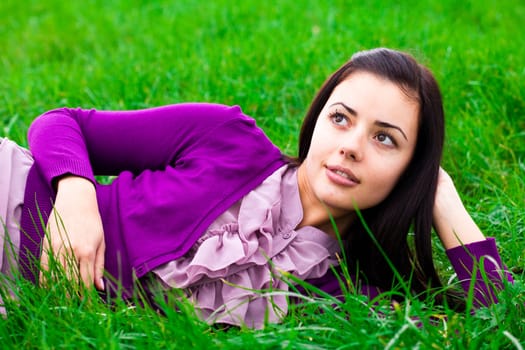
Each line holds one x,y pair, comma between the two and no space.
70,146
475,259
90,142
452,222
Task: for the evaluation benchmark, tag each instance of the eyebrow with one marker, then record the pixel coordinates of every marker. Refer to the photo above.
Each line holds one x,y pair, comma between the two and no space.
378,122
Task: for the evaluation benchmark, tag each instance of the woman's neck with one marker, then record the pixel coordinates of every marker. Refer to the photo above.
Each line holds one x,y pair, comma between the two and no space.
316,213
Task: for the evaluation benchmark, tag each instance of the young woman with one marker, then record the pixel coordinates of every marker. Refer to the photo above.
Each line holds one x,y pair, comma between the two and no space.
205,203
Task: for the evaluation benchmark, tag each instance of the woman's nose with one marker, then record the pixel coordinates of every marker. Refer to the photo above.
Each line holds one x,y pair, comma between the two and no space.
353,144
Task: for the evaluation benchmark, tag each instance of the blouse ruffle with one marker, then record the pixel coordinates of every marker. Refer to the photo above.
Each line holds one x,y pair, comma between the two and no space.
233,274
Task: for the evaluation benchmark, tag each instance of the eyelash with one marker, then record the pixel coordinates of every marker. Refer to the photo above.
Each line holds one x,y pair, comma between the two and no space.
336,113
389,135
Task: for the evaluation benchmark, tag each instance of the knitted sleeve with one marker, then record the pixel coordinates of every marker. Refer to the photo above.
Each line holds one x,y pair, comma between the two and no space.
91,142
480,271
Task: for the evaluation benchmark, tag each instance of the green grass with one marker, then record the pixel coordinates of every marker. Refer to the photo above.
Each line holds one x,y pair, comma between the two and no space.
270,58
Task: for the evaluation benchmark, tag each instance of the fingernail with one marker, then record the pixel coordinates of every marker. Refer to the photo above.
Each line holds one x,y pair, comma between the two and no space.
102,283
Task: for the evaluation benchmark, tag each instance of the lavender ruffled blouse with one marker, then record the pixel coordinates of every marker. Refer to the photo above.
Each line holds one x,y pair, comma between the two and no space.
231,275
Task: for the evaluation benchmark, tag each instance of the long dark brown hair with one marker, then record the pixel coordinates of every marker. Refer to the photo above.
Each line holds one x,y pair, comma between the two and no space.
408,208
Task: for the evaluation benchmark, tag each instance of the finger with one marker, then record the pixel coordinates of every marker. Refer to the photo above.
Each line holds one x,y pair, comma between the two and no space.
44,258
70,264
99,266
44,267
44,261
87,268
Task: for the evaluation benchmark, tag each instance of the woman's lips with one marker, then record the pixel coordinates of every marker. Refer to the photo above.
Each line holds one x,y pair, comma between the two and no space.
341,176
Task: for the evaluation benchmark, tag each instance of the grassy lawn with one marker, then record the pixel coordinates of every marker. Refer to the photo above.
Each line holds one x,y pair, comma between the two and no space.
270,58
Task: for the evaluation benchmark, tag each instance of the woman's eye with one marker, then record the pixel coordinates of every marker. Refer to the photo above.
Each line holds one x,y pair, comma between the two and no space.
339,119
385,139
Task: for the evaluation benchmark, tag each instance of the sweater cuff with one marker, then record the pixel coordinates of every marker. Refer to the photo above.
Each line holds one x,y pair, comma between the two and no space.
482,257
71,167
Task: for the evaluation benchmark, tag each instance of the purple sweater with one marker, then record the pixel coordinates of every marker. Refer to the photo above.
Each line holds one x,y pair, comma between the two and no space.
179,167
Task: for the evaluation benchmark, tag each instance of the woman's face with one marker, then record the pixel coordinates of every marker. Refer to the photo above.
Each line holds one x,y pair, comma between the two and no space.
363,140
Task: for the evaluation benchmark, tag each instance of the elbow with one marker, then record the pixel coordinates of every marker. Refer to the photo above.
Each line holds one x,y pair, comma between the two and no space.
44,124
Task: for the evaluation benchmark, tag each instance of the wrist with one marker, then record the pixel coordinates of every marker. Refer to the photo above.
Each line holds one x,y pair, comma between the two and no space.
76,192
73,182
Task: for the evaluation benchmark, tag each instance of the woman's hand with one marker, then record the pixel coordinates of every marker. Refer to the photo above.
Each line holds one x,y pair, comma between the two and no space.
76,234
453,223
